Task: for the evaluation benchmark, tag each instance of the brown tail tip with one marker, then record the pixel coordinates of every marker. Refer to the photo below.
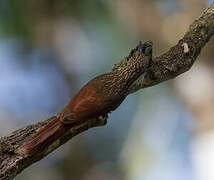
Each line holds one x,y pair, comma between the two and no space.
43,138
22,151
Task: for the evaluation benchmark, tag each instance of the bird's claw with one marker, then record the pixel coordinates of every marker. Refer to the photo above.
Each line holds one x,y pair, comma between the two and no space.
103,119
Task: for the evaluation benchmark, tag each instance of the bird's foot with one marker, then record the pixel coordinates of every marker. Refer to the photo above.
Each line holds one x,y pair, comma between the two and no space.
102,119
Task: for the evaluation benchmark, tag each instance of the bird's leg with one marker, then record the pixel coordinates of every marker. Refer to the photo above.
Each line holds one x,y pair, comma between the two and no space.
103,119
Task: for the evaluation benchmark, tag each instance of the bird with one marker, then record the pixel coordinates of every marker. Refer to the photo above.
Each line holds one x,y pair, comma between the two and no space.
100,96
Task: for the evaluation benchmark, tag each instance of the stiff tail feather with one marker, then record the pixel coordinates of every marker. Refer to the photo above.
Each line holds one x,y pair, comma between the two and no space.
44,137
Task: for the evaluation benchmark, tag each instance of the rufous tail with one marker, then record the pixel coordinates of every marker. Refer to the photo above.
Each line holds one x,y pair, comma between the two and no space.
44,137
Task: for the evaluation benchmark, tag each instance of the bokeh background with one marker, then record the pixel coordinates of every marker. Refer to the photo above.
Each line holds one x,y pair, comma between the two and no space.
49,49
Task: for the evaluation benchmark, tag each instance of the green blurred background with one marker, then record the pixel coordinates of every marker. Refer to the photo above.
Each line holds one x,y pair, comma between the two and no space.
49,49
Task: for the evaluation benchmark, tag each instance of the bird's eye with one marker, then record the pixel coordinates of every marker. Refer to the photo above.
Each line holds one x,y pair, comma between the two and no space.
148,50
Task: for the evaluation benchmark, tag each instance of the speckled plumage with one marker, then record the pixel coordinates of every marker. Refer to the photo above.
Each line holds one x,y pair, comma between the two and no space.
106,92
99,96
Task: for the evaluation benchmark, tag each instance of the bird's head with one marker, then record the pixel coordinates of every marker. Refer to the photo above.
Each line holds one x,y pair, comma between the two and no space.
145,48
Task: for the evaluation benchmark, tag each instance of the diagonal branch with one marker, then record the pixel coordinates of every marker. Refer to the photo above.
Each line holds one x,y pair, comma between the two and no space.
174,62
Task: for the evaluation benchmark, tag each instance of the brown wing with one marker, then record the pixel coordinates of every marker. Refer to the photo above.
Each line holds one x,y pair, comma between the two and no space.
91,101
86,104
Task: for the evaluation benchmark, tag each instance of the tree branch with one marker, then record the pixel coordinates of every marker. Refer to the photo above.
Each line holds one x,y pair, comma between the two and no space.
177,60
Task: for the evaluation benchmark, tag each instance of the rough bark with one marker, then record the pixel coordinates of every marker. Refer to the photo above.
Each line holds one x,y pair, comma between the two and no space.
177,60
